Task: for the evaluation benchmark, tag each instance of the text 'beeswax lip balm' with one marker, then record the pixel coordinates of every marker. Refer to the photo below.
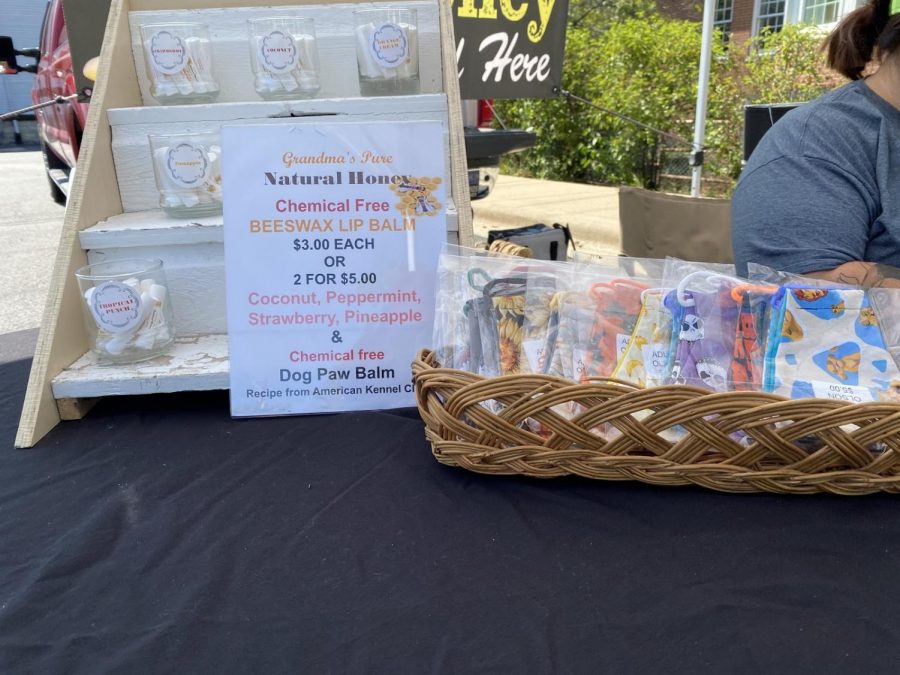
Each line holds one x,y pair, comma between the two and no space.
284,57
188,174
179,63
387,51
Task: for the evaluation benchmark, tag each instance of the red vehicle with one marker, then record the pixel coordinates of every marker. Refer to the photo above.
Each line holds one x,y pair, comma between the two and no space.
60,125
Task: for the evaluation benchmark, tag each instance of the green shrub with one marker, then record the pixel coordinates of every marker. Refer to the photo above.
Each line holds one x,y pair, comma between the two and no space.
646,67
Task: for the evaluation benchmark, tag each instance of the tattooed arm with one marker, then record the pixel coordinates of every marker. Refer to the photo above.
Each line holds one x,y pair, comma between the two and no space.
865,274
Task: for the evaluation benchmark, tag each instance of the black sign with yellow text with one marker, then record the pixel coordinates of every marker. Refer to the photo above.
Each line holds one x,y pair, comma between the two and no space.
509,48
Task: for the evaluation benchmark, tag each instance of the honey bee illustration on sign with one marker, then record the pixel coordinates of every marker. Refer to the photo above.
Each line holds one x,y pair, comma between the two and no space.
415,195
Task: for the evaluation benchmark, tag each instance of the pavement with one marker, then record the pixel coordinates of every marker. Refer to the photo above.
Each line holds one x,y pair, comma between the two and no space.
591,211
30,225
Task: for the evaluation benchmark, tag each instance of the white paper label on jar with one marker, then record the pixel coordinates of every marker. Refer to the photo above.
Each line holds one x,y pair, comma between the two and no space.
390,45
278,52
167,52
187,164
116,307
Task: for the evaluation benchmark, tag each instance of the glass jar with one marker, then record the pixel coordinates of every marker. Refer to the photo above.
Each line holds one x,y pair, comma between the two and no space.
387,51
179,62
284,57
128,313
188,172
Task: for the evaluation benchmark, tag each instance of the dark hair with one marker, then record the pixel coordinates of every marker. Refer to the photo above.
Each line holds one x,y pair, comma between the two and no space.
866,32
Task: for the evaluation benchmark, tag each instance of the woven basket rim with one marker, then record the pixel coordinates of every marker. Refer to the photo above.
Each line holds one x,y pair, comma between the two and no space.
732,441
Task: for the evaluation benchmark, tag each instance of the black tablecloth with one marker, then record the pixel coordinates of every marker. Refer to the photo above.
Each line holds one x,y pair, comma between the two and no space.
159,535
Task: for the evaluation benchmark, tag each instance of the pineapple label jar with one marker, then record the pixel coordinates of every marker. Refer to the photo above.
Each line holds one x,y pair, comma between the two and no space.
387,51
284,57
188,174
179,63
126,308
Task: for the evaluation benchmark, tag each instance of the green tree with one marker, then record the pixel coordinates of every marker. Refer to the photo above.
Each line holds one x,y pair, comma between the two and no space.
645,67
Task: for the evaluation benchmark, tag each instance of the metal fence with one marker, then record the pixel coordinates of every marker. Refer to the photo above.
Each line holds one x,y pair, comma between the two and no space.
669,170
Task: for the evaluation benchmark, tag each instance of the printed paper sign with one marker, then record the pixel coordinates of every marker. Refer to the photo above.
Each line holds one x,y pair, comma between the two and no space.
332,235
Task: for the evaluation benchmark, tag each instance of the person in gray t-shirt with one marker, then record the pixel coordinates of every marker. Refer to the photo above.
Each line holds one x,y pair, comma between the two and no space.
821,193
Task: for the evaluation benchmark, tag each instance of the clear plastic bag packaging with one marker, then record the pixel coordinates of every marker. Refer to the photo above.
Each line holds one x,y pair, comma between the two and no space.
751,335
706,306
456,317
486,306
617,304
645,269
615,284
569,350
514,307
545,283
885,302
827,343
646,356
450,336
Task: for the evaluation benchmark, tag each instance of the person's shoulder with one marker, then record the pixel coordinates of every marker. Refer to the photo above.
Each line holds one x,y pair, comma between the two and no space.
846,116
840,125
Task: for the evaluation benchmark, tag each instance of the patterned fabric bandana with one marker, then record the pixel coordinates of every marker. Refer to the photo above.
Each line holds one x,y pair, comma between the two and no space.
826,343
704,338
647,352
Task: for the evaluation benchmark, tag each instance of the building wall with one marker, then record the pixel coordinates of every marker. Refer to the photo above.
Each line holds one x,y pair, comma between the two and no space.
742,20
21,20
690,10
741,17
742,13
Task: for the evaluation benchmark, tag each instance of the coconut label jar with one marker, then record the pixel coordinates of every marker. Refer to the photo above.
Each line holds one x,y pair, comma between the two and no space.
284,57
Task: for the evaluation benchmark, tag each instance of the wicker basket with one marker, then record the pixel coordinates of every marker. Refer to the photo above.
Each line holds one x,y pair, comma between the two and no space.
734,442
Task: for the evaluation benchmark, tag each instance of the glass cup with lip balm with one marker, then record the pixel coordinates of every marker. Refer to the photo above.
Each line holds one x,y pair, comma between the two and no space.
127,309
179,62
284,57
387,51
188,172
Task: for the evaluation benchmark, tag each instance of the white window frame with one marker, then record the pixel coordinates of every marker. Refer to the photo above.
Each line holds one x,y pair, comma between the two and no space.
840,11
794,10
756,14
730,22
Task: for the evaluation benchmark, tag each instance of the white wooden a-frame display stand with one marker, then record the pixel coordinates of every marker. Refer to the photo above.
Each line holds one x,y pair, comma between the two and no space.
111,211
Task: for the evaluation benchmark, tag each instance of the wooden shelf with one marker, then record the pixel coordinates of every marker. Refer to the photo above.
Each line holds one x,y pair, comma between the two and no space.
197,363
132,126
64,379
151,228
